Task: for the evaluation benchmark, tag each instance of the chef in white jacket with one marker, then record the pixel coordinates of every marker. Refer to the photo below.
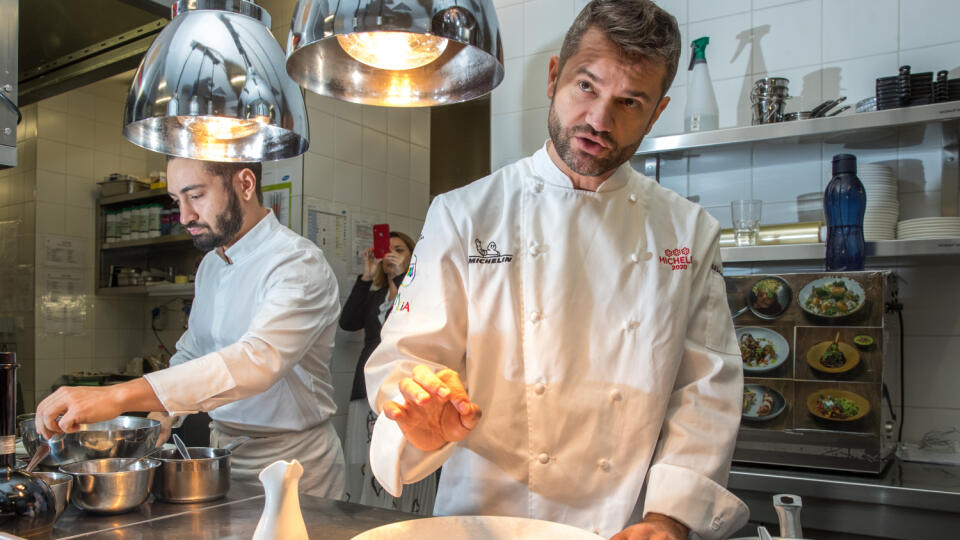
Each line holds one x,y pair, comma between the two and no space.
562,344
257,351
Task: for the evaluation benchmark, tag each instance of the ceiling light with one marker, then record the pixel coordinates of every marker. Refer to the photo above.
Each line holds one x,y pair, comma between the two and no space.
212,87
401,53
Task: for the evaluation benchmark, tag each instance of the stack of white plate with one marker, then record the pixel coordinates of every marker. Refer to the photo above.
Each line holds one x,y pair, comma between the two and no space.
883,203
929,227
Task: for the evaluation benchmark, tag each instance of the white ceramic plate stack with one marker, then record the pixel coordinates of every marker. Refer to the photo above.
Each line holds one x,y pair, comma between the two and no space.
929,227
883,203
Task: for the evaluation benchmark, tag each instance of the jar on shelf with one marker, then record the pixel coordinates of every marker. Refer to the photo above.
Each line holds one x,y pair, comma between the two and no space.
110,227
155,210
126,220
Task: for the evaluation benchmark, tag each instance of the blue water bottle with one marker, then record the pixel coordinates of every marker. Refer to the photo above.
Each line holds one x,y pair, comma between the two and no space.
844,203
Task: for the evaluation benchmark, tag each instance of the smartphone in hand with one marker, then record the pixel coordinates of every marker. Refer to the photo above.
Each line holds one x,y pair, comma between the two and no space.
381,240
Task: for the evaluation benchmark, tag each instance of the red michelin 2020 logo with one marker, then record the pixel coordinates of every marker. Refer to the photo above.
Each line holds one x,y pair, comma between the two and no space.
677,259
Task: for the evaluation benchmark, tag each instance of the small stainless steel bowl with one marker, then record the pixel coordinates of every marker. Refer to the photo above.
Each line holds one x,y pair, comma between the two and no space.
99,488
122,437
205,477
61,484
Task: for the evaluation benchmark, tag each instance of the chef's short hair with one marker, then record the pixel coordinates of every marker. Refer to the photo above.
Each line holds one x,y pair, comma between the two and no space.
226,170
642,30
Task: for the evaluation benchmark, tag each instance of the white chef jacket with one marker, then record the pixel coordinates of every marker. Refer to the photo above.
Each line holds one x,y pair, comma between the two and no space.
593,330
257,351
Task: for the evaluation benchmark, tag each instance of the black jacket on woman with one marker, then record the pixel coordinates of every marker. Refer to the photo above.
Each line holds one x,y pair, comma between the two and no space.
361,312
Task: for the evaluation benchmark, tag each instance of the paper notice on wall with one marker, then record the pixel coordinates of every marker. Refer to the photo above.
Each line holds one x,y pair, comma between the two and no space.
362,238
63,302
326,226
63,251
277,198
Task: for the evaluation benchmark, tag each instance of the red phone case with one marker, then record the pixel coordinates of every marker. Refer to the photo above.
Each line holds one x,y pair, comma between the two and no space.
381,240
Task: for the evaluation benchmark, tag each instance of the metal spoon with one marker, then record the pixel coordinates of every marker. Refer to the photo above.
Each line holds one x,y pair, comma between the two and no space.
129,466
184,453
232,445
42,452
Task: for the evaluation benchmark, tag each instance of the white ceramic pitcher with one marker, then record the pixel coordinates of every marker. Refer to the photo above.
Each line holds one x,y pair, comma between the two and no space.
281,519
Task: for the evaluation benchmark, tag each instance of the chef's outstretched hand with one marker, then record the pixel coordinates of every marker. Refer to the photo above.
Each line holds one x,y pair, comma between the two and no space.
436,409
64,410
654,527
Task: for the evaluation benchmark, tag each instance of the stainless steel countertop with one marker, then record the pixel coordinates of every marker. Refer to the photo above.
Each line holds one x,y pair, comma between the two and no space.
235,516
910,485
909,500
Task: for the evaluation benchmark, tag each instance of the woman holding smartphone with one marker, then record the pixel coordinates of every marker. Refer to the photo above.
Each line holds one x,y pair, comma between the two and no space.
368,306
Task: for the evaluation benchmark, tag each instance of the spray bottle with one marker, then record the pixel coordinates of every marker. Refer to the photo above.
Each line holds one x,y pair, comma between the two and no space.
702,113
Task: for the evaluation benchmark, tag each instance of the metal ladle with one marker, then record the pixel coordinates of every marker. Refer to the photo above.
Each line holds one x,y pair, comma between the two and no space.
42,452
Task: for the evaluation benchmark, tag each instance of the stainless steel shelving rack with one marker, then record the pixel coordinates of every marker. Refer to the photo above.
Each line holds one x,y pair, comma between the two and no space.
853,130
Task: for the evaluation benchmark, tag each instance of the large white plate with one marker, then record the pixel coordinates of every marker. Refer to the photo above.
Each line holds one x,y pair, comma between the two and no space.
780,345
475,527
851,284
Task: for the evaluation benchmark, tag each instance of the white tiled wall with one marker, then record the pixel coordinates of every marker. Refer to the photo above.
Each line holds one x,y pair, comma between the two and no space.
373,160
79,142
18,215
827,49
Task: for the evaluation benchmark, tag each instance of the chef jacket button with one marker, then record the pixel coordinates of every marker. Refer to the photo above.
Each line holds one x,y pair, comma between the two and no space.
616,395
634,257
544,458
646,256
536,316
539,389
604,464
633,197
633,325
716,523
538,187
596,531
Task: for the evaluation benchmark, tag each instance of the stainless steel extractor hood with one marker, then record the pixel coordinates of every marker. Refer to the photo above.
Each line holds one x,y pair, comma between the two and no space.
68,44
8,83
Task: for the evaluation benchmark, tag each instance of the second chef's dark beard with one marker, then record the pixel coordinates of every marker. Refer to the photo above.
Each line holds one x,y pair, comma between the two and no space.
228,225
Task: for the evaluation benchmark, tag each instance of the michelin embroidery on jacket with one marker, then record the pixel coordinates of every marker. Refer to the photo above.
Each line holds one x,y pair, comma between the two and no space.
489,254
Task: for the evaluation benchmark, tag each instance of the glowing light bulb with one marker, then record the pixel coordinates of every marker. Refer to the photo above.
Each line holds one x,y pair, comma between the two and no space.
395,51
220,128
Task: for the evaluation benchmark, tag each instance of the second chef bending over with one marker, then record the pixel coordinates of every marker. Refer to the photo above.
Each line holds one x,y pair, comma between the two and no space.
257,351
583,309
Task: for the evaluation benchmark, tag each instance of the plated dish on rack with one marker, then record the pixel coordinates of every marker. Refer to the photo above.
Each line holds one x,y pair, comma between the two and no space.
832,297
762,349
769,297
829,358
837,405
762,403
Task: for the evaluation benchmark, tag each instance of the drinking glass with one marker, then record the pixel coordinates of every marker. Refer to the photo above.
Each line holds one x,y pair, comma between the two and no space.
746,221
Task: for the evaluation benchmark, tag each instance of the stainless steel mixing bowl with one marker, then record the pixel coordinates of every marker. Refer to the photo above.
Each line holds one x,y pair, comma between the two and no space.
122,437
99,488
61,484
205,477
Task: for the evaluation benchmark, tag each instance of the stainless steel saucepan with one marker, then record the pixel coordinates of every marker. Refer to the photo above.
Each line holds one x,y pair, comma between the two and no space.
203,477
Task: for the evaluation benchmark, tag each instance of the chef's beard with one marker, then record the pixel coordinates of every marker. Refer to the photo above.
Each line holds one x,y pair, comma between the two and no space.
228,225
583,163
